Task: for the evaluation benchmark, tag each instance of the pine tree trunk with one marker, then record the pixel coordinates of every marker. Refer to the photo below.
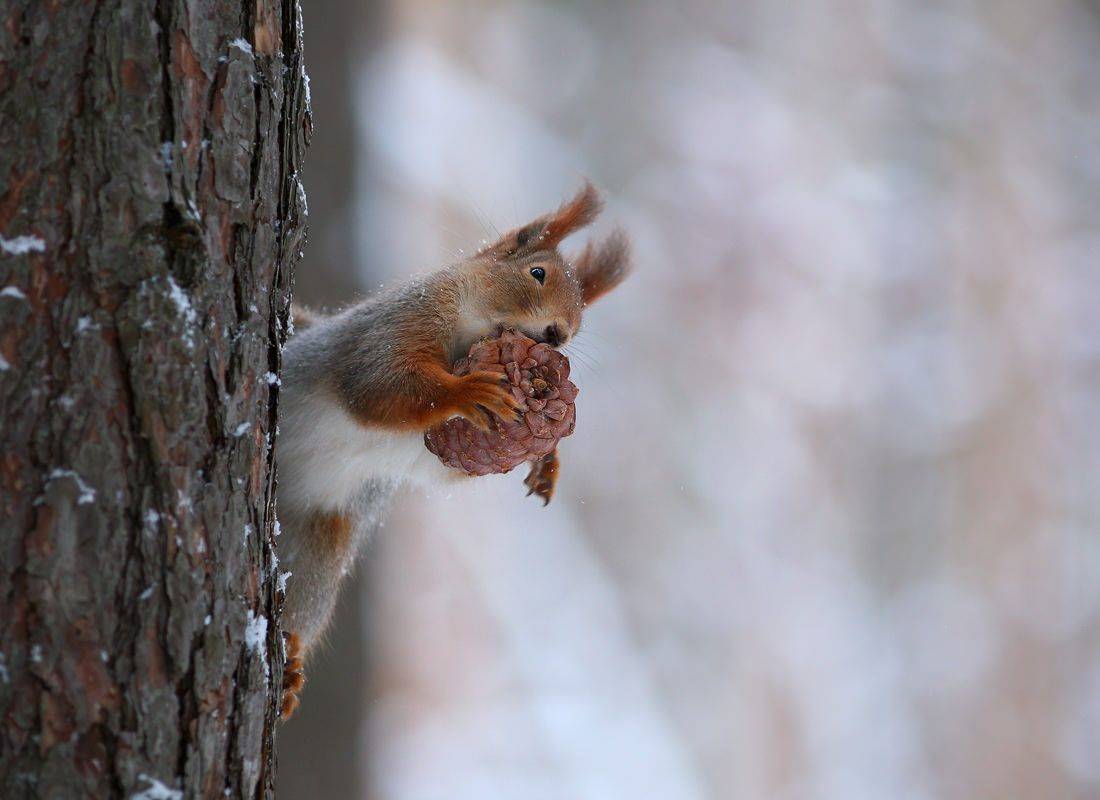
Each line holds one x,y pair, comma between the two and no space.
150,216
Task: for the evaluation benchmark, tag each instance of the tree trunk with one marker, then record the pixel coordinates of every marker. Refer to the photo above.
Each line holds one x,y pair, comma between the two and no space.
150,215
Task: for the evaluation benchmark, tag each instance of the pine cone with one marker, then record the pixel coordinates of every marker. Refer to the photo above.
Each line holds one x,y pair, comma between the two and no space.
539,378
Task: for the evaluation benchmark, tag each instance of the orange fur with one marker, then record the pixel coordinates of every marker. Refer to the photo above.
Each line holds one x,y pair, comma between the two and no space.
543,477
332,529
601,267
571,216
394,363
293,676
430,394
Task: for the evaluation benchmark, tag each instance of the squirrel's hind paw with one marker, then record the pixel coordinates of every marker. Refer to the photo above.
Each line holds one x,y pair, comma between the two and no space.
543,477
293,676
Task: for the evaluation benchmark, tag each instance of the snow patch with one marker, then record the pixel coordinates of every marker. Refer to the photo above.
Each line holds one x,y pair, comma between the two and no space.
22,244
242,45
242,429
156,790
87,493
301,197
281,585
4,365
146,594
273,379
255,632
13,291
183,501
186,310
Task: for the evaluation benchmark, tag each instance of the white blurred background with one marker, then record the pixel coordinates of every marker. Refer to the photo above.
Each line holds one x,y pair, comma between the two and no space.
828,526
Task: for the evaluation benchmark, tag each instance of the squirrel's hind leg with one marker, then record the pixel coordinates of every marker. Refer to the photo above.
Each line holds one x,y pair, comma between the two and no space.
543,477
293,676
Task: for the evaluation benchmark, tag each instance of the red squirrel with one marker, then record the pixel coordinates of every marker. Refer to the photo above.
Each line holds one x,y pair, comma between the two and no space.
360,388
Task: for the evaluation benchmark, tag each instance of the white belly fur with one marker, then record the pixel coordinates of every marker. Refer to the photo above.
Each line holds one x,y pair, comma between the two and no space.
326,457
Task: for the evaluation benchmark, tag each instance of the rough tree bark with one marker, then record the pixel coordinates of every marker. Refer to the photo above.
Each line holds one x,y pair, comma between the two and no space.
150,215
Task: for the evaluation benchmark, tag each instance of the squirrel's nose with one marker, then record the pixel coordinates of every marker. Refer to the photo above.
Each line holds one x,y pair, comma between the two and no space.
554,335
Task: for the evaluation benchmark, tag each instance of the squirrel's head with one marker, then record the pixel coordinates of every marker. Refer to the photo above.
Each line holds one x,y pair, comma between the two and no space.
523,282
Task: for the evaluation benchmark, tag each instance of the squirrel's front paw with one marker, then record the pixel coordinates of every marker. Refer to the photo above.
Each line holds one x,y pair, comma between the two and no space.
293,676
480,394
543,477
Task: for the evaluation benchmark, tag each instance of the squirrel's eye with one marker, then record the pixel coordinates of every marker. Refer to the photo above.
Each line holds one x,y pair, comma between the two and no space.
539,274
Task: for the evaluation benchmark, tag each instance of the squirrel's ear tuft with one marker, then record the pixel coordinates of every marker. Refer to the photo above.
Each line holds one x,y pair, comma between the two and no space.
548,230
571,216
601,267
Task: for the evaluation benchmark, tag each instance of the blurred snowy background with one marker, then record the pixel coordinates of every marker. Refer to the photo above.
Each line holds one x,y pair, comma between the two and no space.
828,527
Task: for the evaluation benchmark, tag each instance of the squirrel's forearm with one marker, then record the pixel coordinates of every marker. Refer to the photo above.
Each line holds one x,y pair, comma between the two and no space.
419,393
393,366
427,394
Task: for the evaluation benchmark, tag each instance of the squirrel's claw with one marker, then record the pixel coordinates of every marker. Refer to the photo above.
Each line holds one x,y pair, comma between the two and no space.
543,477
